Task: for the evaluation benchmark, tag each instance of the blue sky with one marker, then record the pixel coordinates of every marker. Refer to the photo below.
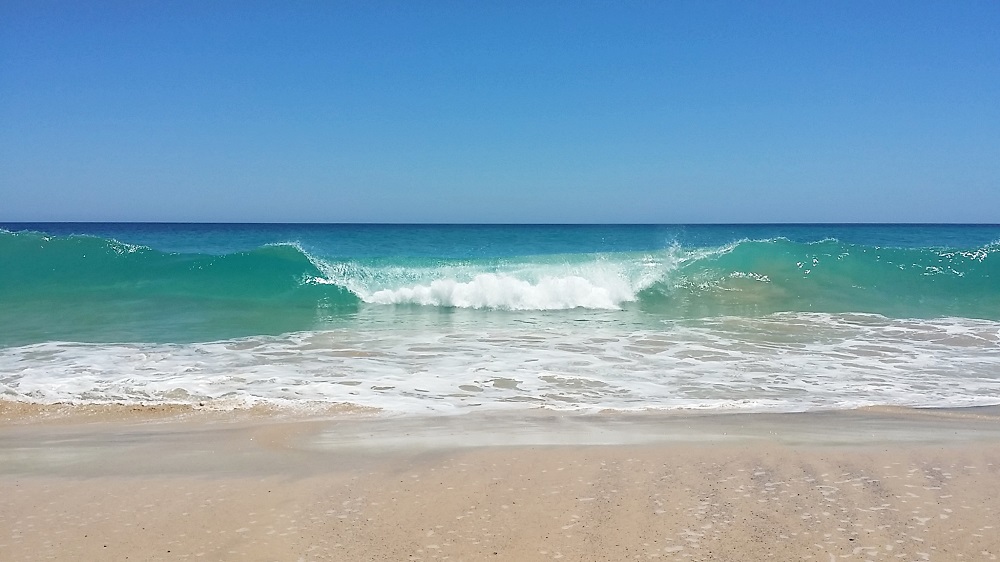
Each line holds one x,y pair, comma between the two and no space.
663,112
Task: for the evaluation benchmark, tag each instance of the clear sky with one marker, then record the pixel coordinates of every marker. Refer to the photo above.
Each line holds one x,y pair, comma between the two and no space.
435,111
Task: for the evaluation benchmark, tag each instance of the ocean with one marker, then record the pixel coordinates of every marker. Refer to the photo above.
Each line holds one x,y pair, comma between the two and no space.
445,319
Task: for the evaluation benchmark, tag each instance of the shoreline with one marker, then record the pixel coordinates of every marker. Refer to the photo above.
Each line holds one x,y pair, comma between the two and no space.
874,484
19,411
911,424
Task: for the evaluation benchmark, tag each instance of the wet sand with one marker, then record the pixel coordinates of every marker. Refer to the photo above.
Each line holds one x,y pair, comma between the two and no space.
119,483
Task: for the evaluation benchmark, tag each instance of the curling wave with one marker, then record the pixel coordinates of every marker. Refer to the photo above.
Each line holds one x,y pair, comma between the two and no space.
85,288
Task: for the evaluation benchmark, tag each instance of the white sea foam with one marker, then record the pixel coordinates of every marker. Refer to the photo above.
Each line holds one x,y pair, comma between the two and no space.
505,292
598,283
783,362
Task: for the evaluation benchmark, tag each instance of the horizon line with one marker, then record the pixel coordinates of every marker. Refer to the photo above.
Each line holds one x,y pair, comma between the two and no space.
362,223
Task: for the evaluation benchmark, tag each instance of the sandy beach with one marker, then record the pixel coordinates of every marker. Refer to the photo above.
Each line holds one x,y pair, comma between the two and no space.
124,483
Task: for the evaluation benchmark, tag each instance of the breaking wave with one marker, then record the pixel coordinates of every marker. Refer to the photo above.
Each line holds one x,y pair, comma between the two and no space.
51,285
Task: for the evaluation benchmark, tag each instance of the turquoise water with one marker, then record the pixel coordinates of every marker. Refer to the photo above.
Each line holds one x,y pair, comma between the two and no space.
628,317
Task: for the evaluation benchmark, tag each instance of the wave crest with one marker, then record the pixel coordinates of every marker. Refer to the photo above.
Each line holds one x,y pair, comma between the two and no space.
503,292
531,283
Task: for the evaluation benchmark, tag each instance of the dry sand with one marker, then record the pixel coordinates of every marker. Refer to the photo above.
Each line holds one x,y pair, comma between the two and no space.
870,485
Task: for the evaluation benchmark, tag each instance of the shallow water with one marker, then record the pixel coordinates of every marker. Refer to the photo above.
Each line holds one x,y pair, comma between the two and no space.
464,318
